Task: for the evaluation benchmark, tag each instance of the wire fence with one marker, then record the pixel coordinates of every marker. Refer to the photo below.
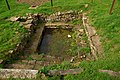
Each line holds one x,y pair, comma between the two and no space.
33,2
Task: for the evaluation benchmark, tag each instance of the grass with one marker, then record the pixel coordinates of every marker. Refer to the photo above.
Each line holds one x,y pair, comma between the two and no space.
84,49
107,27
10,36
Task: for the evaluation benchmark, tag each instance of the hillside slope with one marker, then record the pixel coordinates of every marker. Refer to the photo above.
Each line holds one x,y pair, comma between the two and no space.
108,27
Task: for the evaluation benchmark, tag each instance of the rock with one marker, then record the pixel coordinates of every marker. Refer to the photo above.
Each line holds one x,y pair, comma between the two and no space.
69,36
37,57
81,31
32,62
36,14
22,23
11,51
21,19
16,32
86,5
81,11
63,16
28,14
1,61
83,56
48,56
28,26
71,11
18,45
29,17
59,13
29,21
48,19
18,73
33,7
87,59
72,59
42,76
24,17
84,18
14,18
110,72
76,64
24,61
65,72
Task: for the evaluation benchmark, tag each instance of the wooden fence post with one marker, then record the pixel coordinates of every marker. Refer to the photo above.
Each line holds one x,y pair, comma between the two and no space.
111,9
8,5
51,2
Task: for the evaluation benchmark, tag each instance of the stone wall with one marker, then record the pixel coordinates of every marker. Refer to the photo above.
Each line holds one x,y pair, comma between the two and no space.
64,16
29,22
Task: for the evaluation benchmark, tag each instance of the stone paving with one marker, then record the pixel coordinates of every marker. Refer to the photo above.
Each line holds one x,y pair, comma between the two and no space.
35,63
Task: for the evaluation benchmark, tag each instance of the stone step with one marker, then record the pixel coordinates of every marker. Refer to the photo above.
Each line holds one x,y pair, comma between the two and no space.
17,73
58,25
65,72
21,61
46,60
40,64
19,66
29,64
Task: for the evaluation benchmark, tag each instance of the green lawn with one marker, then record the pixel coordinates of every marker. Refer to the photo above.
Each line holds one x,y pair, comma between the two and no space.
108,27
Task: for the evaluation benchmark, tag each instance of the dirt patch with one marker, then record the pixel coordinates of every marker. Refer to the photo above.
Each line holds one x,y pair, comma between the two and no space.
33,2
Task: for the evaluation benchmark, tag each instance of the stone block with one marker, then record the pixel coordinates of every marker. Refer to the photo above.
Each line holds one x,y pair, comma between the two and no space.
31,62
1,61
18,73
14,18
28,26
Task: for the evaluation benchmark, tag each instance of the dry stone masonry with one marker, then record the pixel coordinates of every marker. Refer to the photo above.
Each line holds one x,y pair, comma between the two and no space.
64,16
31,22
